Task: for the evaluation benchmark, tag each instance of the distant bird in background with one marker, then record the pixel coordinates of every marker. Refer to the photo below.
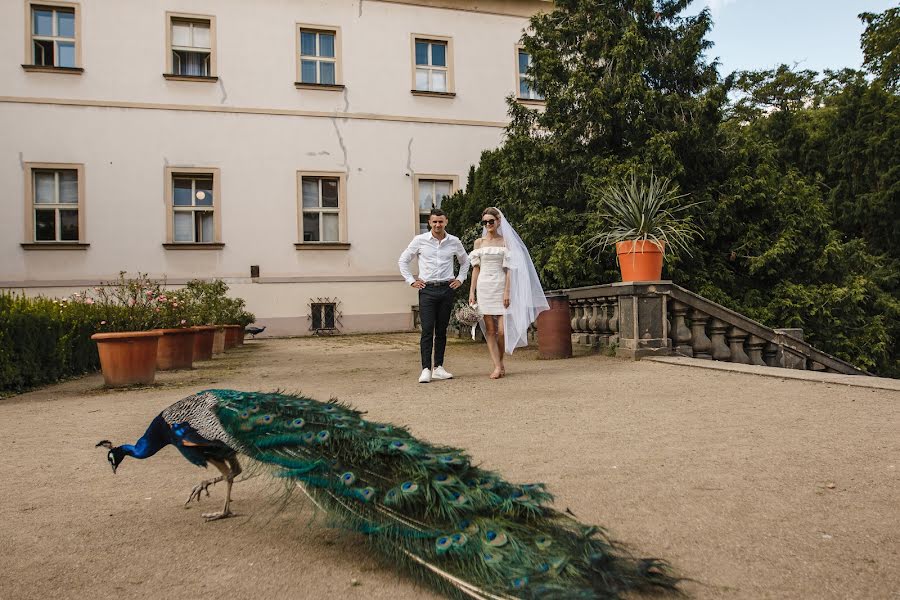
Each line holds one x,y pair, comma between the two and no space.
464,529
254,331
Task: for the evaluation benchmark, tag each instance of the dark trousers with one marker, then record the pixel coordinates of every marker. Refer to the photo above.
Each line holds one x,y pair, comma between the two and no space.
435,304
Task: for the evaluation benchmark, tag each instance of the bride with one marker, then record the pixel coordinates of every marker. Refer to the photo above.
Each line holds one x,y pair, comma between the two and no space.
506,286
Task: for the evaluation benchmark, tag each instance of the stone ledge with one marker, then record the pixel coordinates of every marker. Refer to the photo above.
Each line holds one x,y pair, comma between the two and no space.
879,383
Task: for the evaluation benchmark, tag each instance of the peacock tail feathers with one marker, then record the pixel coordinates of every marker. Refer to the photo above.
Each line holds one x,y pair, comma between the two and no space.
428,506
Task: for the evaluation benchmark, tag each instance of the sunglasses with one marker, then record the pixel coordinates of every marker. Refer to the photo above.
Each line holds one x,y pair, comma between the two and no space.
488,222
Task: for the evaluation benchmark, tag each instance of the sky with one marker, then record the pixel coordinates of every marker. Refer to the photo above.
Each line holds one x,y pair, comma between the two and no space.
761,34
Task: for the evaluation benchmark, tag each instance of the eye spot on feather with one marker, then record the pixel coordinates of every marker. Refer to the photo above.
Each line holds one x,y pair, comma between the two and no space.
443,543
458,499
308,437
459,539
298,423
348,478
365,494
245,414
489,558
383,428
408,487
265,419
254,408
399,446
495,538
520,583
542,542
391,496
543,568
322,436
443,479
469,527
487,484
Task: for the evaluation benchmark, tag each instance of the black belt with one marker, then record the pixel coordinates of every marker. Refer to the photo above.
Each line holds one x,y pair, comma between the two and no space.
437,283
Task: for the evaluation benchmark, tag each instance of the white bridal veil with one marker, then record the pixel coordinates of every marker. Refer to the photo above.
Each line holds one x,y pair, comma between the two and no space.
526,296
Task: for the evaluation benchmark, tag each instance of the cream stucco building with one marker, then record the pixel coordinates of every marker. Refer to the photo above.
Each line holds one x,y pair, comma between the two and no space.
285,146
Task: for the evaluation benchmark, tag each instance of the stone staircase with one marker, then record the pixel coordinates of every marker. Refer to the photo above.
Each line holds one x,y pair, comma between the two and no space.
660,318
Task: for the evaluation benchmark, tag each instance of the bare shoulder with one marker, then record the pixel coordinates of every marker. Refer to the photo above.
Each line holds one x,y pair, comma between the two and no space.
478,243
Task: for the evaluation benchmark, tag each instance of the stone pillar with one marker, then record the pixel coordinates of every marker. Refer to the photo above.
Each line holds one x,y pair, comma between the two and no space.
717,329
594,323
680,332
583,327
755,347
554,329
736,339
700,344
642,326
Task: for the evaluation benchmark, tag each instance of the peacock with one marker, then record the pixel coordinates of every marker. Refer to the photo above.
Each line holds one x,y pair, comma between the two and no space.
464,529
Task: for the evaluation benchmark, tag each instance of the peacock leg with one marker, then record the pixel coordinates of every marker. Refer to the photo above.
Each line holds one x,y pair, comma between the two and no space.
230,470
201,487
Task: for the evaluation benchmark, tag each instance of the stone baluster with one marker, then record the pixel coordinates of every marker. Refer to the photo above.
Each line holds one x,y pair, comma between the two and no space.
700,344
603,322
736,339
717,329
770,355
576,318
681,335
755,347
593,324
613,322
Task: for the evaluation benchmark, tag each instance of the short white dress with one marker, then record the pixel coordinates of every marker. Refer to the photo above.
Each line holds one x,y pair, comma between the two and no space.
493,261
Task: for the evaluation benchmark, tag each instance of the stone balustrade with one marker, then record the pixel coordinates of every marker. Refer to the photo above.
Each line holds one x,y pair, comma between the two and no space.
640,319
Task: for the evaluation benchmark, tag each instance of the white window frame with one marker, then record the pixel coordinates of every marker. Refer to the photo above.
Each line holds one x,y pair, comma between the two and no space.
318,58
447,69
31,37
31,206
193,173
534,97
340,210
426,179
207,21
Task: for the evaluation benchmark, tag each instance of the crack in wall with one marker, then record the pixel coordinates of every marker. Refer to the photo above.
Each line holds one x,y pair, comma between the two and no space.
337,130
409,168
224,93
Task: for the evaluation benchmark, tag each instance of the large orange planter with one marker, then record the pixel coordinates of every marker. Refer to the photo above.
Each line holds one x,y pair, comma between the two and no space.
175,350
127,357
640,260
232,335
203,341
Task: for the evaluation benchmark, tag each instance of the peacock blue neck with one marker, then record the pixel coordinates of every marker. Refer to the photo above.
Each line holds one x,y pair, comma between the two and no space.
157,436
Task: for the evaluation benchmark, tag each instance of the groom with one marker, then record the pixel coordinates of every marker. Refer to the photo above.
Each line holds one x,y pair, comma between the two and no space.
435,250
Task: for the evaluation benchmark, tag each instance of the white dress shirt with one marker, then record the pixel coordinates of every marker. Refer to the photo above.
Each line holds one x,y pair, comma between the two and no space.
435,258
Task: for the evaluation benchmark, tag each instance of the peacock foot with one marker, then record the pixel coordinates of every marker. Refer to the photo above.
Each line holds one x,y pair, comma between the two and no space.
215,516
201,487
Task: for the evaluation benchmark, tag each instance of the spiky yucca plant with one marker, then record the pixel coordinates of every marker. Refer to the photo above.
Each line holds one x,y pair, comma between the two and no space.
636,211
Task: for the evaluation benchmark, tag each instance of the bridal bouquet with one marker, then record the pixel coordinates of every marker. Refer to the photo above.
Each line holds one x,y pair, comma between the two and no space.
468,315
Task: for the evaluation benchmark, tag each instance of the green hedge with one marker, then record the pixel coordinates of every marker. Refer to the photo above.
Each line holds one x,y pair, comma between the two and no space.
42,341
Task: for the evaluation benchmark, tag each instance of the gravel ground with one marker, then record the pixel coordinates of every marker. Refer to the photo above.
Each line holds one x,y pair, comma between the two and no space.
754,487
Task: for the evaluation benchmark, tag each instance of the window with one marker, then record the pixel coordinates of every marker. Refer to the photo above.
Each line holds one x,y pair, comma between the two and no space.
318,61
191,47
321,208
192,196
525,90
433,65
53,35
55,201
322,316
430,193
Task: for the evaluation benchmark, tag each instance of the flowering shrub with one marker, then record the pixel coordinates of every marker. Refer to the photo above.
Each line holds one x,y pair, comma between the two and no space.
43,340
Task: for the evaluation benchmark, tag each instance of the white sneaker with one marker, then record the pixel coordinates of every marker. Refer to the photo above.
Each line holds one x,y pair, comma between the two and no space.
425,377
440,373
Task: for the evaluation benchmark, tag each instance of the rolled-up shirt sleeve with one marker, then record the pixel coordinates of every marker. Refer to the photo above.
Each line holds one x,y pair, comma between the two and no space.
463,257
405,258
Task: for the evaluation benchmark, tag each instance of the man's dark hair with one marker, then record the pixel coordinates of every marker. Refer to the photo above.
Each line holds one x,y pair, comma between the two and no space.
436,212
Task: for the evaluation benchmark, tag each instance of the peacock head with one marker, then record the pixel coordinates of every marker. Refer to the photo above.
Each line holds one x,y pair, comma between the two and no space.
115,454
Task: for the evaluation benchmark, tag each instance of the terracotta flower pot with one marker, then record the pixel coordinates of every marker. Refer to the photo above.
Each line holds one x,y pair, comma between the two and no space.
127,357
203,342
176,349
219,340
640,260
554,329
232,334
